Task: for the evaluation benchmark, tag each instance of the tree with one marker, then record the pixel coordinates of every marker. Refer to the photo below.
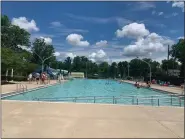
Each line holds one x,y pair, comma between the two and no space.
120,69
169,64
67,63
76,64
178,52
42,51
155,67
113,70
5,21
103,69
12,36
135,67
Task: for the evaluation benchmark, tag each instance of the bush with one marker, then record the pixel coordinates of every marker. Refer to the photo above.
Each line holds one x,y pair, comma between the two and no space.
129,78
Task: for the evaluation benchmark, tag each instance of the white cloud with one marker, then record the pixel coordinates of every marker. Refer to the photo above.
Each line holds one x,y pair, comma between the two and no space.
133,30
24,47
102,43
23,23
56,24
178,4
147,46
56,54
92,55
98,56
160,13
47,40
71,55
180,38
76,40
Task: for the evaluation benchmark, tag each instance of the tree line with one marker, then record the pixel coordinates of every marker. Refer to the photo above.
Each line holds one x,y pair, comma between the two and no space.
15,43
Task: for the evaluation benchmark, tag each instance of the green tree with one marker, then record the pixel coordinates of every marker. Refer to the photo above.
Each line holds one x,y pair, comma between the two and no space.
169,64
76,64
12,36
42,52
113,70
103,69
68,64
178,52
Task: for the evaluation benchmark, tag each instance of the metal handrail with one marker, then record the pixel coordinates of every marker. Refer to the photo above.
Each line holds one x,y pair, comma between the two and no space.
20,87
115,99
107,97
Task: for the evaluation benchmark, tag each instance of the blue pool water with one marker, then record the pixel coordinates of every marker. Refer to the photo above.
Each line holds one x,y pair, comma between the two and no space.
89,87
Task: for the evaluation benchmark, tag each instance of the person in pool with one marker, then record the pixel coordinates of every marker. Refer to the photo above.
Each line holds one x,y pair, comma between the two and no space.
148,84
136,84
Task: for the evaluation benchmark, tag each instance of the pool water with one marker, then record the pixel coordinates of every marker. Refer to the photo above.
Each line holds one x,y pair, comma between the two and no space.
88,88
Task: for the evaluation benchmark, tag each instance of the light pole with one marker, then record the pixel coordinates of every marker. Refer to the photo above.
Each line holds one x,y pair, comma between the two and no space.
43,60
149,67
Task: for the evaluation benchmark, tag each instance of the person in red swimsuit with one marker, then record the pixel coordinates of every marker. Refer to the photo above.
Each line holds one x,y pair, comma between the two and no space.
43,78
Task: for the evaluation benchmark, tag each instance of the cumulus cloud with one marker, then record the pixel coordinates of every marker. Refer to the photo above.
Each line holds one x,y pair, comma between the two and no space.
101,43
76,40
179,4
47,40
180,38
24,47
100,55
71,55
133,30
148,45
23,23
56,54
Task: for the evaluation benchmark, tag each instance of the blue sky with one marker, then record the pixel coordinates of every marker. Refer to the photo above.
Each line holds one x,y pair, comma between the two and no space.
102,31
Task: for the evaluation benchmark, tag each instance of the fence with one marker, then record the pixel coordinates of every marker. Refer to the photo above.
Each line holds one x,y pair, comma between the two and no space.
157,100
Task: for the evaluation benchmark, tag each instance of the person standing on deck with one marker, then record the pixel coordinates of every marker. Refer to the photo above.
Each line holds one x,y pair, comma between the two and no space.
30,77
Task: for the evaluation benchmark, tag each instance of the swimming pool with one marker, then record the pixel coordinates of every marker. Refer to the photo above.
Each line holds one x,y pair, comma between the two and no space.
99,91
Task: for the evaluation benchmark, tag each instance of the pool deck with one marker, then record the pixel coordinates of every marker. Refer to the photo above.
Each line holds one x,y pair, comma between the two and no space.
12,87
70,120
175,90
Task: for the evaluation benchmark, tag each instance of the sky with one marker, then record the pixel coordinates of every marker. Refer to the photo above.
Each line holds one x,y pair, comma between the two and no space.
101,31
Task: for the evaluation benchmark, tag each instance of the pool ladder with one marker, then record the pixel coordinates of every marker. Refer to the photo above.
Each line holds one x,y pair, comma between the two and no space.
21,87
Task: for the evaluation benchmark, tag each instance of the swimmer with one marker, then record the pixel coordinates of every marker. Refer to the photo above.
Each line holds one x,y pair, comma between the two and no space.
136,84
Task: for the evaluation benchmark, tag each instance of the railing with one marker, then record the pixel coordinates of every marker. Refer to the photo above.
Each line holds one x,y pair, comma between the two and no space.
21,88
157,100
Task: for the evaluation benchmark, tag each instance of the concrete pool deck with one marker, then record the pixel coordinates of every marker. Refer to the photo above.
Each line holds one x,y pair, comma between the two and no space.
12,87
175,90
70,120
